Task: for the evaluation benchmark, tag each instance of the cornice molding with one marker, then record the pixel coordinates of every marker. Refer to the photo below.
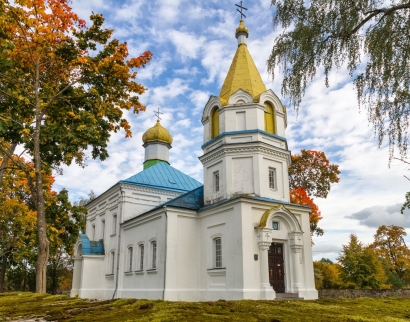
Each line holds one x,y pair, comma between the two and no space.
224,150
152,190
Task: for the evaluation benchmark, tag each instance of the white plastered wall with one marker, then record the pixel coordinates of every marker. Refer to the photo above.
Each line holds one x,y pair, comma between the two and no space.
148,282
181,281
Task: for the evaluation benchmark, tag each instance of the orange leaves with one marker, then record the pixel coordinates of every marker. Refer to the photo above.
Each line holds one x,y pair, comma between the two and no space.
310,175
141,60
300,197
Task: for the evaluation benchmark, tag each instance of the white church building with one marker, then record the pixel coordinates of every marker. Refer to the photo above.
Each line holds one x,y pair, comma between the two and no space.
161,234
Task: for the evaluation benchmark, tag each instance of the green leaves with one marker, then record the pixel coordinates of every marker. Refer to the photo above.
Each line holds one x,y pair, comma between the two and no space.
333,34
360,266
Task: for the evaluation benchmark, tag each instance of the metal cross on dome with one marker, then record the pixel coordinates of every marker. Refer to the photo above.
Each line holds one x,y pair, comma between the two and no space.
157,113
241,11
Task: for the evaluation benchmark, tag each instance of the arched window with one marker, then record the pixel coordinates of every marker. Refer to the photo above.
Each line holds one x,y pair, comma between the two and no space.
214,123
269,118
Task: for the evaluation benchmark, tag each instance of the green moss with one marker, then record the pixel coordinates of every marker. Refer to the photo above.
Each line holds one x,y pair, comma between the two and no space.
14,306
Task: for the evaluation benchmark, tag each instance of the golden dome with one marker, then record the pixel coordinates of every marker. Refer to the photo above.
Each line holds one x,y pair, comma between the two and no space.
157,133
242,27
244,75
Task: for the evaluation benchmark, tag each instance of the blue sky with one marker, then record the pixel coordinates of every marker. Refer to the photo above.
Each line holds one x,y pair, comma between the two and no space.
193,43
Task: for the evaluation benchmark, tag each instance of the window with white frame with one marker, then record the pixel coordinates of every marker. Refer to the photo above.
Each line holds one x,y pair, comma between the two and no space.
103,229
141,257
114,224
272,178
130,258
216,181
217,252
112,262
154,254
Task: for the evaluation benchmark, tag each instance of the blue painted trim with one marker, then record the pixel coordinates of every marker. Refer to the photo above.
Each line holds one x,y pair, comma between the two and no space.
243,132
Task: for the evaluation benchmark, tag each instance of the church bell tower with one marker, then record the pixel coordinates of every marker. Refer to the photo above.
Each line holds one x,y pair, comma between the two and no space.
245,149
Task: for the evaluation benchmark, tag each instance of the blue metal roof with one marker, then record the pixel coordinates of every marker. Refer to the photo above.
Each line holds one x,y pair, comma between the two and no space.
191,200
89,247
163,176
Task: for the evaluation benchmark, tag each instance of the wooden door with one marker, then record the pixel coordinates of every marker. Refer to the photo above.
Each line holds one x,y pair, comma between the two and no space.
276,269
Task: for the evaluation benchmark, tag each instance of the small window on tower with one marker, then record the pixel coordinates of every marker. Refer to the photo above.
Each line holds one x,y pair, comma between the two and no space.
272,178
216,181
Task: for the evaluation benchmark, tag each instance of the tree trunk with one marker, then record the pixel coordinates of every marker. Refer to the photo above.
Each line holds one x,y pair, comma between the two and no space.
43,244
25,277
3,271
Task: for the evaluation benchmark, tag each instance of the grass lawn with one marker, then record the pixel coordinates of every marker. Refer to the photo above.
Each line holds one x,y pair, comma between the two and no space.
34,307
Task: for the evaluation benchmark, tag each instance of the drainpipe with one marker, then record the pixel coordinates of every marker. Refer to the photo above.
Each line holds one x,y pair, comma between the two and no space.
122,199
165,262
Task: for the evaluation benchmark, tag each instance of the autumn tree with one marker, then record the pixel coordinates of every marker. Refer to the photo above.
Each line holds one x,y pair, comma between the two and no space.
17,219
311,175
63,89
367,37
389,245
328,274
361,267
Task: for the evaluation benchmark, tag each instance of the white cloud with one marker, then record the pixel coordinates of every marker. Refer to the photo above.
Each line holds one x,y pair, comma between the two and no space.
169,10
186,71
199,99
377,216
174,88
155,68
129,11
186,44
216,60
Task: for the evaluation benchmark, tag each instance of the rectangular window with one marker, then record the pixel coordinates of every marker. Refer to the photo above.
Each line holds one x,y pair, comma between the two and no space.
218,252
216,181
272,178
154,254
141,257
112,262
130,254
102,229
114,224
93,232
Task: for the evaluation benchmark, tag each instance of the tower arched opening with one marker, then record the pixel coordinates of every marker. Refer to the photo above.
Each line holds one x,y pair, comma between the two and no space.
270,125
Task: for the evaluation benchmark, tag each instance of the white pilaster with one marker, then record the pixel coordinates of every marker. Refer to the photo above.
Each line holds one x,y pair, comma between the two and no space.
296,246
264,242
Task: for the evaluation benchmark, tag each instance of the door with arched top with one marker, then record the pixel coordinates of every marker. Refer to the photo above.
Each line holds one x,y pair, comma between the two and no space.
276,268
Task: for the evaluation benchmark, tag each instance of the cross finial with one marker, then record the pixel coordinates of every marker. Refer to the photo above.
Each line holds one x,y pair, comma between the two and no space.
241,11
157,113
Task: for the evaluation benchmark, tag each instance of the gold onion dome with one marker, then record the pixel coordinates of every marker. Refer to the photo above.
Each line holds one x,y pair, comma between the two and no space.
157,133
243,73
242,27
